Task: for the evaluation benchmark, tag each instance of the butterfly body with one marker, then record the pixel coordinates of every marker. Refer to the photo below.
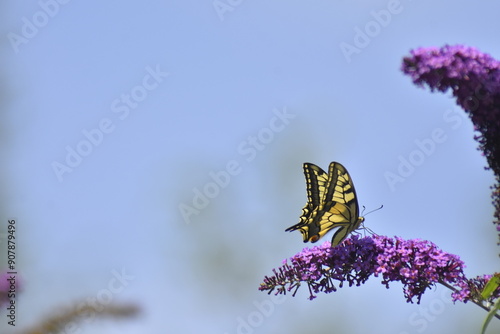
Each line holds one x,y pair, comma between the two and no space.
331,203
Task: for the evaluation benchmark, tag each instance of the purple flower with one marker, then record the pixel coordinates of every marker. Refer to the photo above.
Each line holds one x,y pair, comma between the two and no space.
5,286
474,79
470,290
418,264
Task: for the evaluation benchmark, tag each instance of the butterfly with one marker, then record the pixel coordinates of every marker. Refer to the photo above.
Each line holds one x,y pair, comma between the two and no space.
331,203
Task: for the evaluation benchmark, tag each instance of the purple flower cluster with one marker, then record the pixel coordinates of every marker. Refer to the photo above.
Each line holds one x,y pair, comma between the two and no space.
320,265
474,78
415,263
470,290
418,264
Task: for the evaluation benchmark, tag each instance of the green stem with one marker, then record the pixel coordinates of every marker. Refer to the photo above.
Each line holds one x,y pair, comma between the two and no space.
472,300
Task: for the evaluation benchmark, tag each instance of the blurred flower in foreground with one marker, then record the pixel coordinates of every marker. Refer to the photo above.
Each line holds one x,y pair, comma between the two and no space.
474,78
7,284
69,317
418,264
72,318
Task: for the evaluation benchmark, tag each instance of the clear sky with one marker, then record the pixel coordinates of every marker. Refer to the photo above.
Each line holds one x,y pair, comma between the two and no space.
118,115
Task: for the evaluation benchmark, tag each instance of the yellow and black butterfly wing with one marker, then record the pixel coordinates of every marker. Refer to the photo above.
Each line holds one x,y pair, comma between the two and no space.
316,180
338,207
342,210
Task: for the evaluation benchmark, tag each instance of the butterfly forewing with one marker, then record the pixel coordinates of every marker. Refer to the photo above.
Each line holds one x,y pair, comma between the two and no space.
341,189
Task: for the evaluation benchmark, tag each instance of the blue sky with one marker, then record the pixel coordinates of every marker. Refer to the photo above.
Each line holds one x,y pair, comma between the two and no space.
117,114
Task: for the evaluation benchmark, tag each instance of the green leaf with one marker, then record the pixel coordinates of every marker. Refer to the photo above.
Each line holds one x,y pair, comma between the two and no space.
490,287
491,314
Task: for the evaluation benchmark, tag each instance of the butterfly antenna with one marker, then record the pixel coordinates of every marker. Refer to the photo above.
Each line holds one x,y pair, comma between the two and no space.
371,211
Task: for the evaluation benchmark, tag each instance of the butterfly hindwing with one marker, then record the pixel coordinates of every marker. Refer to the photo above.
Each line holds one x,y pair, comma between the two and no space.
332,203
316,179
